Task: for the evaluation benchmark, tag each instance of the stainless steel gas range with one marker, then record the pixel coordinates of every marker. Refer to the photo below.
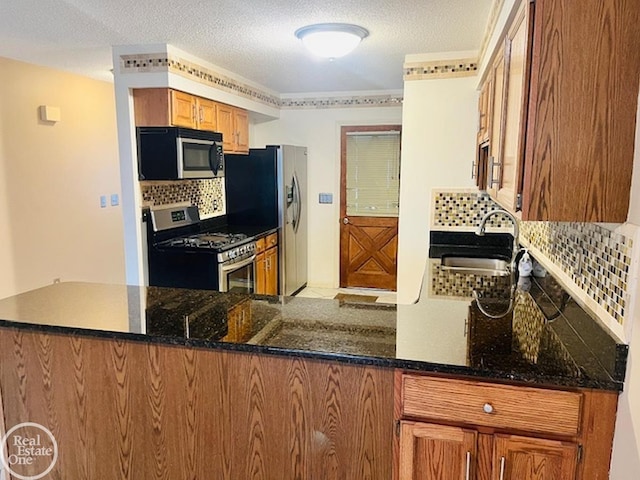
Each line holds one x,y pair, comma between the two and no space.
185,252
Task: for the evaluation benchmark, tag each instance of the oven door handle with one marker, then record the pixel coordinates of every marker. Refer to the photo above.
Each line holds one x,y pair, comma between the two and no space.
236,266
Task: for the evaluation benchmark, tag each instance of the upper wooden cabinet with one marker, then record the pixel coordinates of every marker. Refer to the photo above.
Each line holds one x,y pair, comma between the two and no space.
164,106
569,103
233,123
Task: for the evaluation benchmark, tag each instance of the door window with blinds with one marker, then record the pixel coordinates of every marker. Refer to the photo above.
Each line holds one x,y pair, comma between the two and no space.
372,173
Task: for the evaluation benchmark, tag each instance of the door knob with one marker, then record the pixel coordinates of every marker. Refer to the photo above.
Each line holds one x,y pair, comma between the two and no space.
345,220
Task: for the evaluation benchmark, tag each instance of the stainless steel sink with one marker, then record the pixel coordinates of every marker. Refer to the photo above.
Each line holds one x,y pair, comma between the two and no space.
476,266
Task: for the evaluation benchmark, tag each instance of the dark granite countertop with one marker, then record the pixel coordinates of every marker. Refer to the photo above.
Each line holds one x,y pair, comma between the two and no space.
547,340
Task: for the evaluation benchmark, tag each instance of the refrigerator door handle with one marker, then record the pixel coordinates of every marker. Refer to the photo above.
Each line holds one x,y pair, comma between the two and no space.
296,200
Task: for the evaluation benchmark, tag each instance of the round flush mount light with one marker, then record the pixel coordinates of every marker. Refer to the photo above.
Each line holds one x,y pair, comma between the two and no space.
331,40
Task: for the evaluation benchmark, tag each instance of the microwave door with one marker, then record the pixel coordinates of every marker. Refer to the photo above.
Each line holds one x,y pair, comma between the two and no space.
194,158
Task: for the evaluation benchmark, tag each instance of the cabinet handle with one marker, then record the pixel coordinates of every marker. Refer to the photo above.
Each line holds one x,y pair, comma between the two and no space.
502,465
468,471
487,408
201,114
492,165
193,113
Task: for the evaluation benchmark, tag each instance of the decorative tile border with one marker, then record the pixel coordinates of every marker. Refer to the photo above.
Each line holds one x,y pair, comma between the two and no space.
464,210
343,102
207,194
441,69
597,260
163,62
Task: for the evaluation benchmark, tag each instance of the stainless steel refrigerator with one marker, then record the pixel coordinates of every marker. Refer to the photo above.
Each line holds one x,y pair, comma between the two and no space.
267,189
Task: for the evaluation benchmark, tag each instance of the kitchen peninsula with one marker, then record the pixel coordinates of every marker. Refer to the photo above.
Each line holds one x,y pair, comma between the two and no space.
146,382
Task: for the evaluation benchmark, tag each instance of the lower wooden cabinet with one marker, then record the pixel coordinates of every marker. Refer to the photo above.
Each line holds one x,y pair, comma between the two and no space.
440,452
436,452
458,429
267,265
524,458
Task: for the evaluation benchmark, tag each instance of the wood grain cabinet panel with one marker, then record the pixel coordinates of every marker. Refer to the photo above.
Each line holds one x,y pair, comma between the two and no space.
502,406
436,452
570,105
267,265
518,432
125,410
524,458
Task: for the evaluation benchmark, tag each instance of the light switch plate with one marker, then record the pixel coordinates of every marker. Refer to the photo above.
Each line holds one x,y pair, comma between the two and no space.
115,200
103,201
325,198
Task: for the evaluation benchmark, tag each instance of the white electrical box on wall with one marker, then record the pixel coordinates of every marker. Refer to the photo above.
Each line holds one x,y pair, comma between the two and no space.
49,114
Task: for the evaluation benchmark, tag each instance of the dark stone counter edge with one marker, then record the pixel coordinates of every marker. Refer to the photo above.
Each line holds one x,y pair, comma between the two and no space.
458,370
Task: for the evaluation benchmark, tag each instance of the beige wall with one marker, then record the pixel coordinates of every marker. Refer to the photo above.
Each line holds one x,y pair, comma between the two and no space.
319,131
51,179
438,145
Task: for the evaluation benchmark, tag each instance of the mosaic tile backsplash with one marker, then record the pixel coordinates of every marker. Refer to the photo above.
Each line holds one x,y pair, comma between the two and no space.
464,209
449,284
207,194
597,259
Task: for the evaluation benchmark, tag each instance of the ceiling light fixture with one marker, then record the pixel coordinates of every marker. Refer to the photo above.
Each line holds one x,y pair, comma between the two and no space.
331,40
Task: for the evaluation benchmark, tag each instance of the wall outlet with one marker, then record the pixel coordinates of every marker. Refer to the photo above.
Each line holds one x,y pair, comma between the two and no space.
103,201
115,200
215,204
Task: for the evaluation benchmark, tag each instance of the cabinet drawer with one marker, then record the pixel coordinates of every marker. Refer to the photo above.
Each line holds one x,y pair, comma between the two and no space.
500,406
271,240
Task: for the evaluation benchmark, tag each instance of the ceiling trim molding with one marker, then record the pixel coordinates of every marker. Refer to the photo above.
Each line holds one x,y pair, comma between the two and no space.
465,67
496,8
168,63
343,101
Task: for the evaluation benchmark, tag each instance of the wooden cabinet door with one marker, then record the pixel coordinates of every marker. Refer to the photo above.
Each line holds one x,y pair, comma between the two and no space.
524,458
207,115
484,107
497,124
183,109
271,283
224,116
516,95
436,452
241,124
261,274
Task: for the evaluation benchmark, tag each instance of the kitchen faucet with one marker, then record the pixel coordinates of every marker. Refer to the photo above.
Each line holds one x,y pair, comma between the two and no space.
512,265
483,225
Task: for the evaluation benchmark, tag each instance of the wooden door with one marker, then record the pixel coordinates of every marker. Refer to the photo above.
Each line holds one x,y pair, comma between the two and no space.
368,238
517,50
207,115
183,108
524,458
224,117
436,452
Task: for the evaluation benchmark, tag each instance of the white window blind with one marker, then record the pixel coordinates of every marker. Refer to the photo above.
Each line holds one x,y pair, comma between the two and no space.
373,173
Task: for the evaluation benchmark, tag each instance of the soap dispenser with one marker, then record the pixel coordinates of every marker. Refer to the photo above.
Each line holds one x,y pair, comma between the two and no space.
525,265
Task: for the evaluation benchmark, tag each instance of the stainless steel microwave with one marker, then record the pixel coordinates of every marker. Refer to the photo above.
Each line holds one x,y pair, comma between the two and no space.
174,153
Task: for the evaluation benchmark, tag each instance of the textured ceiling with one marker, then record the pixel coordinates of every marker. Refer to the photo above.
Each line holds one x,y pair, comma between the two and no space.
252,38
